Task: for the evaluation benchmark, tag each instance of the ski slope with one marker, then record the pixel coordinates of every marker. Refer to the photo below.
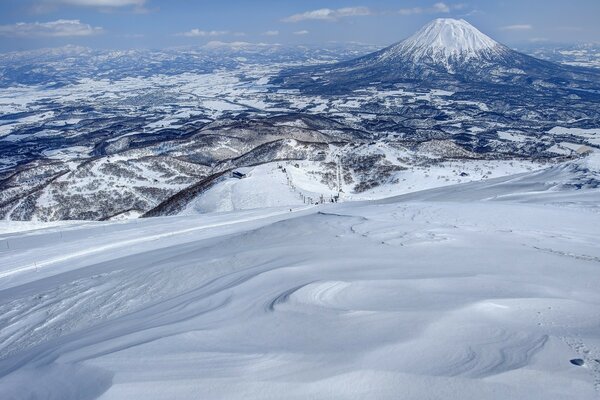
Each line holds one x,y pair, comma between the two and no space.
267,185
480,291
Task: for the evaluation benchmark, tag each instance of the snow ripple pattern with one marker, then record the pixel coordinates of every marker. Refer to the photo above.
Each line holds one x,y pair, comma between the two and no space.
335,302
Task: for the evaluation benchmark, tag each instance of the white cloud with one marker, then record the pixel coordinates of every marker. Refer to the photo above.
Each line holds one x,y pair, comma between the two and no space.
521,27
328,14
46,6
271,33
410,11
304,32
59,28
441,8
200,33
437,8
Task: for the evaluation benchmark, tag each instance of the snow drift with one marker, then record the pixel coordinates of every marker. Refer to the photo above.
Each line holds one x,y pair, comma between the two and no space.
414,299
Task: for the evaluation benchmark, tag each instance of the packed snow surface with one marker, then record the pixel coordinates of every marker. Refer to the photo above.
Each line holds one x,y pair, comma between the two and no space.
415,297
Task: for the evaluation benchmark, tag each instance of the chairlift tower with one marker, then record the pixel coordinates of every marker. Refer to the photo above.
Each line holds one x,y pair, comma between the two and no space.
339,174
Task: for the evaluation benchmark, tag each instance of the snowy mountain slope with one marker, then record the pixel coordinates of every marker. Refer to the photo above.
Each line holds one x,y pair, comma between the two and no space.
447,41
132,179
446,53
263,186
299,182
575,182
463,299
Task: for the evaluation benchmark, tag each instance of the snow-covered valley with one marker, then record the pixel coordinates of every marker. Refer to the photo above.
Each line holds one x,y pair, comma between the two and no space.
482,290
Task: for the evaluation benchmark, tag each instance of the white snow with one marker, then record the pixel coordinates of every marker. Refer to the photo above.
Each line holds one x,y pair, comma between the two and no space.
267,185
68,153
591,135
565,148
443,40
435,294
512,136
264,186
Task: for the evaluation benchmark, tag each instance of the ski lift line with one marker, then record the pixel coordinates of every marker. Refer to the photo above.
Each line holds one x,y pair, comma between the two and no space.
306,199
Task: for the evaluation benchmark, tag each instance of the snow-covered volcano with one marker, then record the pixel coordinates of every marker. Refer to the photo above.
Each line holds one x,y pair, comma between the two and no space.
445,52
446,41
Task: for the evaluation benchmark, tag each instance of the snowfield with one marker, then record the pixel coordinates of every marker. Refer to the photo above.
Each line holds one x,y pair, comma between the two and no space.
486,290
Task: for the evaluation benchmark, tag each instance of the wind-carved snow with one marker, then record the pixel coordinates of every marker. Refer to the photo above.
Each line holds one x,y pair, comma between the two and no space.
420,296
445,41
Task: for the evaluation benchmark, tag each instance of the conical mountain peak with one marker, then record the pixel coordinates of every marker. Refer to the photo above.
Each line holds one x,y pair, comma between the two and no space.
446,40
453,35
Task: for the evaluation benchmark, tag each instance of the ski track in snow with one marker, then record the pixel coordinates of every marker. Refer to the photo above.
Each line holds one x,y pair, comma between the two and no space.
125,243
358,300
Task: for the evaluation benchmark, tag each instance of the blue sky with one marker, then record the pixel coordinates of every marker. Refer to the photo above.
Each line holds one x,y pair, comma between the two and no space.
28,24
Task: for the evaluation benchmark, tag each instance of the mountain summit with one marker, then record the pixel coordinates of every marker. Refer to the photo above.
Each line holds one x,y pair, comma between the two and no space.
449,45
446,40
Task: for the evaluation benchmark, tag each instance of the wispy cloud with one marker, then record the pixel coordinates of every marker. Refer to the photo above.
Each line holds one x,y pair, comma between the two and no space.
58,28
332,15
45,6
99,3
328,14
519,27
437,8
440,8
201,33
303,32
271,33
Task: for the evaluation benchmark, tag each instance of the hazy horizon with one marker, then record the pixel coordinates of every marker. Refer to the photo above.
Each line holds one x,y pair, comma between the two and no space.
157,24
